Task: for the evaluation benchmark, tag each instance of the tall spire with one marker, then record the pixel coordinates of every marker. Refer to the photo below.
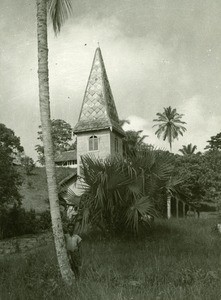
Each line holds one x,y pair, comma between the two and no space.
98,110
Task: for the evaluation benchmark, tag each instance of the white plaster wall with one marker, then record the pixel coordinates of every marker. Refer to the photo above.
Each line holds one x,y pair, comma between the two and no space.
120,144
104,145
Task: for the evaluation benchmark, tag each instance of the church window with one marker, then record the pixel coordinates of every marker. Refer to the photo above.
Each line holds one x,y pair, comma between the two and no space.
93,143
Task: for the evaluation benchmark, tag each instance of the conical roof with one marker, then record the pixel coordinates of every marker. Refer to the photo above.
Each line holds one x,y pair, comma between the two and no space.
98,110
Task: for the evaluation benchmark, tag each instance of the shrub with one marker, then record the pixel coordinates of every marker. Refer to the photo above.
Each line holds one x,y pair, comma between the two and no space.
123,195
44,221
16,221
28,164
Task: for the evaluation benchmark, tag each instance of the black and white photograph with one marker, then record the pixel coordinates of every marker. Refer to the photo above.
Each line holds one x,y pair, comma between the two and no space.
110,149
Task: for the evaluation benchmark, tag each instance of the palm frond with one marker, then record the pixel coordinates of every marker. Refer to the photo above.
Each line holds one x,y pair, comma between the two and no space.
59,11
188,150
83,225
141,208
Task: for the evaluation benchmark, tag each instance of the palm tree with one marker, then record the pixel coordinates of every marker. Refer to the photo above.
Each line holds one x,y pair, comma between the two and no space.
59,11
123,121
188,150
169,123
172,189
121,193
133,141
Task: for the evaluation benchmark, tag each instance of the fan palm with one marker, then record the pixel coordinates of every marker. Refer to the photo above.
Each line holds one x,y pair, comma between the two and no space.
59,11
121,193
170,125
188,150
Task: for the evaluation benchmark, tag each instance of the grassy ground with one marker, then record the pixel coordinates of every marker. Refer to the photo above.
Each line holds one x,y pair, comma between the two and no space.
34,187
180,259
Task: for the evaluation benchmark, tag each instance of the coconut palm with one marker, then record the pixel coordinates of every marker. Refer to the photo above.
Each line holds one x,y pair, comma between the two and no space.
169,123
59,11
188,150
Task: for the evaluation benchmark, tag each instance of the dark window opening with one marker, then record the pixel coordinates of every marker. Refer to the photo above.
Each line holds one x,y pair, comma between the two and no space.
93,143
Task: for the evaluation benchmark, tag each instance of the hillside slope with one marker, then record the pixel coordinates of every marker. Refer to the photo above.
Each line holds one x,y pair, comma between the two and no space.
34,187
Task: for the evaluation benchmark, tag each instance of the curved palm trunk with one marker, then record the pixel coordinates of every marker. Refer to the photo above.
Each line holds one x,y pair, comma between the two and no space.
63,262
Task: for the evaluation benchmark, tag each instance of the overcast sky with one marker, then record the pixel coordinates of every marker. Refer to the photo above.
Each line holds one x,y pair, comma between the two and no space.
156,53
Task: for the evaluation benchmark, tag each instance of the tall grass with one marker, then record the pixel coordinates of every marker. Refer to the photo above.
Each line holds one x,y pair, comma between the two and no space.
179,259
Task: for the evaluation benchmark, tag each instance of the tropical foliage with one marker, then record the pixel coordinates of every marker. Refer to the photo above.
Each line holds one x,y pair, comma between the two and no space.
122,194
214,142
169,125
188,150
9,141
134,141
59,11
62,138
10,179
202,177
28,163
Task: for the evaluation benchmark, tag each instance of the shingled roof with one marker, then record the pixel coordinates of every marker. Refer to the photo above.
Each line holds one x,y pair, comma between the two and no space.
66,156
98,110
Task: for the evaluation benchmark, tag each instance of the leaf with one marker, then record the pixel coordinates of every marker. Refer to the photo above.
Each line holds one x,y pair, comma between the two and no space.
141,207
59,11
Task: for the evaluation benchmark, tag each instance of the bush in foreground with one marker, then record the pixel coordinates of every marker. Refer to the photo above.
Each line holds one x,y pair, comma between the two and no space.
15,221
123,194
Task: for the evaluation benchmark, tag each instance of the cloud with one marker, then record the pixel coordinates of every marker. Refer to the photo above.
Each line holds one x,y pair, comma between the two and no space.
156,55
137,123
201,123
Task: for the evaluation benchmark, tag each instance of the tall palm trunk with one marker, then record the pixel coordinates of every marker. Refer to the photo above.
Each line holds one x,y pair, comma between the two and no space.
168,205
65,270
170,147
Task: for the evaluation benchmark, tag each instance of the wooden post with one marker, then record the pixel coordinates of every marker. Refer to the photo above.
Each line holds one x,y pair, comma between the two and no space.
194,213
177,208
168,206
184,213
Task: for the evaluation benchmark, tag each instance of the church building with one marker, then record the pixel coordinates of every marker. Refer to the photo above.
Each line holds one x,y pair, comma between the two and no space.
98,128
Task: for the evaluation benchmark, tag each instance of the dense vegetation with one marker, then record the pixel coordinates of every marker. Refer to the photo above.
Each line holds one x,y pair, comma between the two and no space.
123,194
62,138
31,213
202,177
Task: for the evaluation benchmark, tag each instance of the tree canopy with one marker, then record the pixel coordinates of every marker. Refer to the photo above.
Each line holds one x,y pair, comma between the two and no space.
134,142
202,177
188,150
9,141
169,125
214,142
9,177
62,138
